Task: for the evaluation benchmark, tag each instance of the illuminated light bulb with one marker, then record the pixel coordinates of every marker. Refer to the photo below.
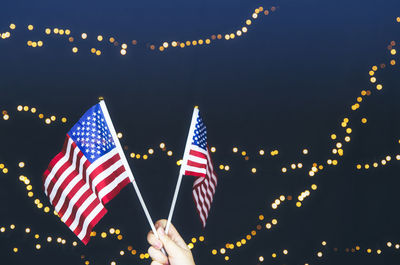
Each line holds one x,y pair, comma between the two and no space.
63,120
311,173
319,254
284,169
244,29
347,138
122,253
55,30
358,166
266,12
293,166
169,153
222,251
67,32
369,250
239,33
261,152
274,206
34,44
2,229
194,43
372,79
182,45
363,120
285,252
299,165
383,162
103,234
392,62
313,187
227,36
214,252
388,158
277,202
61,32
213,149
98,52
398,157
123,52
389,244
379,87
84,36
38,246
254,15
273,255
232,36
74,49
371,73
208,41
227,168
333,136
261,258
15,250
253,170
397,246
113,263
100,38
27,230
12,26
393,52
30,27
248,22
124,46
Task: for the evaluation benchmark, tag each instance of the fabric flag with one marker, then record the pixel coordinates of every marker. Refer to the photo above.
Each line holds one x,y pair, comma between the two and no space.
86,174
197,162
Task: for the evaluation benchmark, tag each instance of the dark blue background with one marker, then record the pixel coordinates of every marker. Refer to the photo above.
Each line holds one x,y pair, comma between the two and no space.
287,84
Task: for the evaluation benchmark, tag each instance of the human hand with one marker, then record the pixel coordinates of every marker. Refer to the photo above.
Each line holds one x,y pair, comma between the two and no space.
176,248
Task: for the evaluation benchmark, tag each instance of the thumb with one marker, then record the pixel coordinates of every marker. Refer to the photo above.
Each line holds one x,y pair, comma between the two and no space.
170,246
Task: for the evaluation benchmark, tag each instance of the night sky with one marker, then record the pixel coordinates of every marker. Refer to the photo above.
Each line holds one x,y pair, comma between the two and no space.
287,85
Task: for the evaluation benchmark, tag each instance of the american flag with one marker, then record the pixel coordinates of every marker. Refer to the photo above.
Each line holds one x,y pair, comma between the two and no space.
197,162
86,174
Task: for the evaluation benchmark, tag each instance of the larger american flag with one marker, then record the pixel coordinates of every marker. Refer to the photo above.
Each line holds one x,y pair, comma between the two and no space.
86,174
198,163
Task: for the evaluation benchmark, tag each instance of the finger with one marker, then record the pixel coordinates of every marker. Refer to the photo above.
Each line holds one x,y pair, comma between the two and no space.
157,255
173,233
153,240
169,245
155,263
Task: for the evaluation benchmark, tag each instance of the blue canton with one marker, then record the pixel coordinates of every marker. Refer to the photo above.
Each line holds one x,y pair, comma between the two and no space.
200,134
92,135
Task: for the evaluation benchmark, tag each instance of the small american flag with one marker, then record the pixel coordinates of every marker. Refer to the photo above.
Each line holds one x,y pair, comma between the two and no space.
86,174
197,162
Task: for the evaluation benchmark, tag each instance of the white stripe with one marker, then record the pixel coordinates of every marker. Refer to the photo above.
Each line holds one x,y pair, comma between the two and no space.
57,166
64,175
73,201
110,187
104,174
89,219
81,210
195,169
198,149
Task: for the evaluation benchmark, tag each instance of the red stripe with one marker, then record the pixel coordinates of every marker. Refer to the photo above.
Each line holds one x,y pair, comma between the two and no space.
68,179
195,174
199,204
61,170
197,154
70,195
195,164
106,164
110,178
106,199
85,214
98,217
77,206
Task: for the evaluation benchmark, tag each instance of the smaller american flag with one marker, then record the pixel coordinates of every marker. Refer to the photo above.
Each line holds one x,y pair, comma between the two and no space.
197,162
86,174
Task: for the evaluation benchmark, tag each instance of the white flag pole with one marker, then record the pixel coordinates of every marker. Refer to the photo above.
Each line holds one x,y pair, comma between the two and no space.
125,163
184,161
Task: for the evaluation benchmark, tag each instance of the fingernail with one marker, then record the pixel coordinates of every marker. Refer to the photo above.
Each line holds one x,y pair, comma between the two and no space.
161,231
158,244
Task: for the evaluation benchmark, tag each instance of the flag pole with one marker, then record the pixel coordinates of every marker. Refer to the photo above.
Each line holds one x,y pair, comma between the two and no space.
184,160
125,163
